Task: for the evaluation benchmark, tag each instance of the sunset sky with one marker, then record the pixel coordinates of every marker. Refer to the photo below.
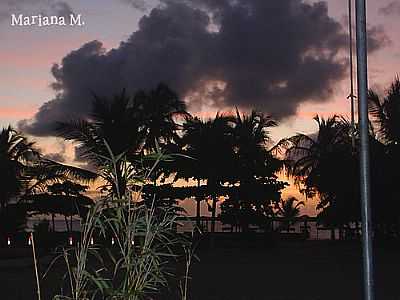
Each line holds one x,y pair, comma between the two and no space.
287,58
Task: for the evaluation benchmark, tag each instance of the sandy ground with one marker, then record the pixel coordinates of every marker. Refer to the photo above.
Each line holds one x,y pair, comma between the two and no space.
309,270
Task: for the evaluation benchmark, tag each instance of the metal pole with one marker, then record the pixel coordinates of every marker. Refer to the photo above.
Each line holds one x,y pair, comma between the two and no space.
351,96
362,80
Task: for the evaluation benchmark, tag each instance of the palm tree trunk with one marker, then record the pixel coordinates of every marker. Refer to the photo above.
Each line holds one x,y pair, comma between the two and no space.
53,222
341,233
332,234
198,201
198,217
66,223
213,212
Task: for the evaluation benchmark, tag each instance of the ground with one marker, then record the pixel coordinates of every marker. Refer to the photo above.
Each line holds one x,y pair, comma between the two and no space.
290,270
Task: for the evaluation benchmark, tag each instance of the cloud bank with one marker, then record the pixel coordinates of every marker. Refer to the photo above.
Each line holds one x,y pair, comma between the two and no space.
272,55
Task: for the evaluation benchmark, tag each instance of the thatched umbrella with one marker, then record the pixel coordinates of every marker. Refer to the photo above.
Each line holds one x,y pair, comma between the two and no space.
67,205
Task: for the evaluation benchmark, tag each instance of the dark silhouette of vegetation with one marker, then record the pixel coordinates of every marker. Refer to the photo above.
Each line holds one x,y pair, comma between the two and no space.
385,148
130,126
227,159
16,155
254,184
325,165
12,219
65,198
314,163
288,209
209,144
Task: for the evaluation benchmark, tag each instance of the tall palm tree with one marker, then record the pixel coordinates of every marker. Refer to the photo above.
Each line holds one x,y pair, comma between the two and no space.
161,107
124,126
255,168
385,152
16,154
385,113
325,164
210,145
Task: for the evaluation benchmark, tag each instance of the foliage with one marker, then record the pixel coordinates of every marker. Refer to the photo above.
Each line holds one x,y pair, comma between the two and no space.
254,184
149,116
385,112
288,209
145,241
385,159
16,154
314,163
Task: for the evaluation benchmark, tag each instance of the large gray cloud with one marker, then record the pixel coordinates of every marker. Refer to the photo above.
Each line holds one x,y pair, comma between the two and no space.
47,7
141,5
377,38
272,55
391,9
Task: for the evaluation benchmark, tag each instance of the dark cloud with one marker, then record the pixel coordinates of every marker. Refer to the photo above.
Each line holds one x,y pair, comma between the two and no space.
272,55
392,9
377,38
46,7
61,8
141,5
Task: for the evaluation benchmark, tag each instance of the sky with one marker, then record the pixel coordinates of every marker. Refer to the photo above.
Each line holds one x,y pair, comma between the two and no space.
287,58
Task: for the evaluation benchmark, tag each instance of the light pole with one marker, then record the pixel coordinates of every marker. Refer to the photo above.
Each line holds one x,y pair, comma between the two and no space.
351,96
362,80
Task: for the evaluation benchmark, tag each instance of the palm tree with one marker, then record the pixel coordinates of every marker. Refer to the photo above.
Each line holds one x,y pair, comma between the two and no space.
160,109
124,126
25,172
255,182
210,145
16,155
325,165
385,113
385,152
288,209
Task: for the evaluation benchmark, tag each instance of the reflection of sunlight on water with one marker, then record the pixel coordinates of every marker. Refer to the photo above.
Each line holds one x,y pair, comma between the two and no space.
59,223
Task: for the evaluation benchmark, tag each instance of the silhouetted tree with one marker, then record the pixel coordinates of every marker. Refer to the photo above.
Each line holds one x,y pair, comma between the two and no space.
16,154
65,198
325,165
385,158
288,209
385,113
124,126
209,144
254,184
